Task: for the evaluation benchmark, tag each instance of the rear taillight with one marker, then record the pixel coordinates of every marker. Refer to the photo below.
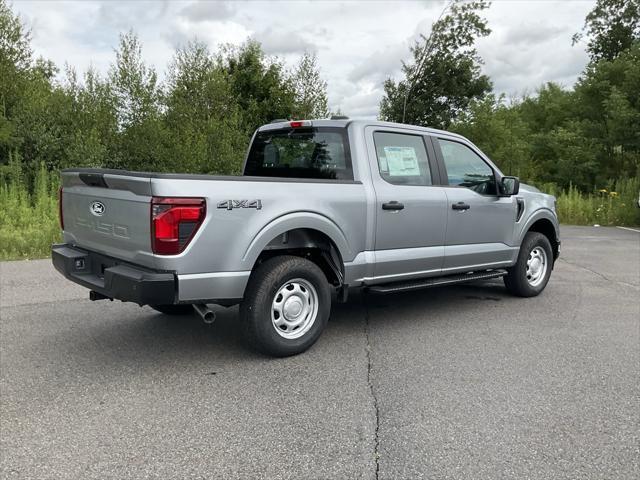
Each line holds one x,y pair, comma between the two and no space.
60,217
174,222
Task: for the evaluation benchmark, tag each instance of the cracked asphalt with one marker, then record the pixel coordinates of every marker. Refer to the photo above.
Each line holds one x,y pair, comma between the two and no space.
458,382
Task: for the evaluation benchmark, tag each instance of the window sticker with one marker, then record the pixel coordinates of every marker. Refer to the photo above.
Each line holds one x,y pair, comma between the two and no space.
402,161
382,161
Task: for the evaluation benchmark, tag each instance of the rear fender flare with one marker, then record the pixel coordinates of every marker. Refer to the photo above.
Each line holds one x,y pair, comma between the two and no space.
293,221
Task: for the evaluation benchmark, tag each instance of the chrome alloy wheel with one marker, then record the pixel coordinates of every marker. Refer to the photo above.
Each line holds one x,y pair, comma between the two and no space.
537,265
294,308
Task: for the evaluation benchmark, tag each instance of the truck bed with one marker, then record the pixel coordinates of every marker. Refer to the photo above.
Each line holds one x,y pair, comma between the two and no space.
234,226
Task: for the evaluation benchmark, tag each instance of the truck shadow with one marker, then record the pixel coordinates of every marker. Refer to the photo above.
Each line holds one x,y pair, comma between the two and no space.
130,336
434,302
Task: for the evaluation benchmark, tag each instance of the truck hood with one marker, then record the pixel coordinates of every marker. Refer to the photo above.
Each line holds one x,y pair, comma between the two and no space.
529,188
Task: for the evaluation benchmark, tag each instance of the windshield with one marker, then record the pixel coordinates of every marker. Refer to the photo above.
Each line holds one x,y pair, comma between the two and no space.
321,152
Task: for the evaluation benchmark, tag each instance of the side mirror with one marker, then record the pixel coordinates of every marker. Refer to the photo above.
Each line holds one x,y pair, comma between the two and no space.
509,186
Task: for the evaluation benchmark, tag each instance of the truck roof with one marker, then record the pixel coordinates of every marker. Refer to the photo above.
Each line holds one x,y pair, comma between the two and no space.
361,123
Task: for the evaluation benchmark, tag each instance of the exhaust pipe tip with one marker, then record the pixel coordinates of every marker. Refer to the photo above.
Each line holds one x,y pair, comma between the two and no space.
207,315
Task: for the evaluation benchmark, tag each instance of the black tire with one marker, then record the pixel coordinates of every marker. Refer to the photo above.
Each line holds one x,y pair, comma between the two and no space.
256,308
173,309
517,281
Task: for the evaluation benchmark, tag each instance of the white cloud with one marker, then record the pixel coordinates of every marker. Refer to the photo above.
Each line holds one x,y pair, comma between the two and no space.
212,32
204,11
279,42
358,44
531,44
380,65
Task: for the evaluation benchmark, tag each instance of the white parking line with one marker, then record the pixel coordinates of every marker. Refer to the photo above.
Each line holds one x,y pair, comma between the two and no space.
630,229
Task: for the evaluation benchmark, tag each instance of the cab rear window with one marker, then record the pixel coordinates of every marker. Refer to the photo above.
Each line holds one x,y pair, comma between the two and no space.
320,153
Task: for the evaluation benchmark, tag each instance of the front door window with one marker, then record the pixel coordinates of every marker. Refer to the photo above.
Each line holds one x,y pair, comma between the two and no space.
466,169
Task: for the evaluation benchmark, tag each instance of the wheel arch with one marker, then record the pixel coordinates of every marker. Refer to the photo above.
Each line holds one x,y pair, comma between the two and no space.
307,235
545,223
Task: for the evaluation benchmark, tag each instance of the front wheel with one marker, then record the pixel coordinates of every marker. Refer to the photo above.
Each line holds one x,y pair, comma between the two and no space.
286,306
529,276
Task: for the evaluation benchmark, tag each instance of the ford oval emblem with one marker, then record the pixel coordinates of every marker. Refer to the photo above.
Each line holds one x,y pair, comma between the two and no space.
97,208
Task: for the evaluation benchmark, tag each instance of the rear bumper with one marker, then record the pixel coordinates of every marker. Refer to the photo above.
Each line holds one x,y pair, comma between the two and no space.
115,279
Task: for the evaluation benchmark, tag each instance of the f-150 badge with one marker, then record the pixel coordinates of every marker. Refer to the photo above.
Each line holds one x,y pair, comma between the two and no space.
231,204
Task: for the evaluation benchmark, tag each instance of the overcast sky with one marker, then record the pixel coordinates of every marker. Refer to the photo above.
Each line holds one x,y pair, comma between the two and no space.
358,43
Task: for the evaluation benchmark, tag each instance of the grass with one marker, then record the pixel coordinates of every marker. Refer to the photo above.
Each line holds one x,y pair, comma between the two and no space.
616,204
29,219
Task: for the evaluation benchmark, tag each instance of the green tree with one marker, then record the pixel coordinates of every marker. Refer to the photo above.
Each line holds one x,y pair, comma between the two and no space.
141,137
608,104
260,84
611,28
92,127
30,127
547,116
500,131
15,60
574,157
203,116
310,89
445,75
134,83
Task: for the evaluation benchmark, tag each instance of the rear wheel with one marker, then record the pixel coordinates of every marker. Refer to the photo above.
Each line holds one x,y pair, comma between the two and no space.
173,309
286,306
530,275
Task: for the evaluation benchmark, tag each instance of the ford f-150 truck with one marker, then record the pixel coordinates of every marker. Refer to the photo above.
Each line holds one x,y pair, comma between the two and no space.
323,206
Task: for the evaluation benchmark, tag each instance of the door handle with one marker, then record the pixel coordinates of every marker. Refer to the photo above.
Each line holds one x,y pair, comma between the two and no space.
392,206
461,206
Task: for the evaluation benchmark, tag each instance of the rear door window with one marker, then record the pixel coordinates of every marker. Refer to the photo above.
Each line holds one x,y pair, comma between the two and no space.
402,158
320,153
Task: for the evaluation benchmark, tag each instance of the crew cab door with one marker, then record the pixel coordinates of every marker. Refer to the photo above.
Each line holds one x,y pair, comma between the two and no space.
480,224
410,210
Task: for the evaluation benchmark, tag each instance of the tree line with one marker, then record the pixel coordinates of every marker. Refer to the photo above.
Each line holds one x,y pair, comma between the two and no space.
198,120
200,117
587,136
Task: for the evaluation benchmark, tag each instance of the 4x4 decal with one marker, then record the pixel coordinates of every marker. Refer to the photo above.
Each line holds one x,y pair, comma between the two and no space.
231,204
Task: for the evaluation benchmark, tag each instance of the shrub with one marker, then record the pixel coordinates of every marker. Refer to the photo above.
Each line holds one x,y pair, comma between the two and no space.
615,204
28,220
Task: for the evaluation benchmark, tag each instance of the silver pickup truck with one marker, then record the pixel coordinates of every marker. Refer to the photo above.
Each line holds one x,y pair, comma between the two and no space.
323,206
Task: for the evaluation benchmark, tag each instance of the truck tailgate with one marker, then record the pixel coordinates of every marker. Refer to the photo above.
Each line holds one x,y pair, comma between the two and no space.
109,214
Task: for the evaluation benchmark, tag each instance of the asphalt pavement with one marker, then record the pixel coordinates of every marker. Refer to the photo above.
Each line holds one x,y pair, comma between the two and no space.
450,383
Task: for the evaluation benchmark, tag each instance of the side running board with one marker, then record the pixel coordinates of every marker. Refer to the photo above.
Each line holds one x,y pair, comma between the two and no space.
436,281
